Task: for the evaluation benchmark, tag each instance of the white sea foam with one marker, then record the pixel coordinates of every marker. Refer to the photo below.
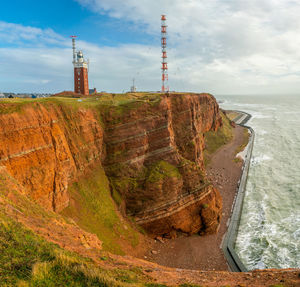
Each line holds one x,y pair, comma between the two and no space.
261,132
261,116
269,233
258,159
292,113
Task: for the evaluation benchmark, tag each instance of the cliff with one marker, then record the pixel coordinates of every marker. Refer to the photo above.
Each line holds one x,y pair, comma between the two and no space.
151,148
155,162
44,145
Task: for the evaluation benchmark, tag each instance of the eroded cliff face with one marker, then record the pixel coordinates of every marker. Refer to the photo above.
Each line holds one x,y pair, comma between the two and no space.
155,161
151,150
45,146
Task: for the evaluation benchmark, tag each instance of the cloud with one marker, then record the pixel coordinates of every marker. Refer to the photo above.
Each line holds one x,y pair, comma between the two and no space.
232,46
238,40
18,34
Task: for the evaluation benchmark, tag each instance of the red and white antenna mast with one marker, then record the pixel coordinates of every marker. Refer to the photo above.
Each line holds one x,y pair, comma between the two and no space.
164,68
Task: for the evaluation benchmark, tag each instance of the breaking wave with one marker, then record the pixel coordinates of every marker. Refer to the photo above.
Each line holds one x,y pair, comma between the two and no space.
269,232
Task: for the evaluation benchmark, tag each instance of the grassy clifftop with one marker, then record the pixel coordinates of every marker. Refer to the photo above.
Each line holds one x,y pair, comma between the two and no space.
98,101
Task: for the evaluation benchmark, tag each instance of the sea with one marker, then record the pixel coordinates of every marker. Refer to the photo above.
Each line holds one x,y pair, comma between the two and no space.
269,231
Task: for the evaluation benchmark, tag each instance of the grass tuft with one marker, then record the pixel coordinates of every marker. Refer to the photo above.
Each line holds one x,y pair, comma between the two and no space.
246,136
214,140
161,170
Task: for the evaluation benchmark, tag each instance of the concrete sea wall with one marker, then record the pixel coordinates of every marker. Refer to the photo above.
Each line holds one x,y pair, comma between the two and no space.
228,244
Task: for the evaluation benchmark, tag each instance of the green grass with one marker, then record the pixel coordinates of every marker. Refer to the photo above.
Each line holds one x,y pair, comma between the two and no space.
8,106
120,102
121,185
161,170
28,260
246,137
237,160
232,115
93,208
116,197
19,252
133,184
214,140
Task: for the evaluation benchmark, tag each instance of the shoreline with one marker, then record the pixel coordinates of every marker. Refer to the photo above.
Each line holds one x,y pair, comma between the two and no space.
229,240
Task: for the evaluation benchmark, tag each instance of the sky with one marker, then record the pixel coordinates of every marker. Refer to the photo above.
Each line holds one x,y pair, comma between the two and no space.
217,46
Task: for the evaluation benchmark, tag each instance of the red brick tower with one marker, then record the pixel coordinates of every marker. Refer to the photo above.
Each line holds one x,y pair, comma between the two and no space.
81,81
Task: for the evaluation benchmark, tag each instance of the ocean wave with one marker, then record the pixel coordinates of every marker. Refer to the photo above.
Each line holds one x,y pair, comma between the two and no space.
261,116
296,235
291,113
261,132
269,231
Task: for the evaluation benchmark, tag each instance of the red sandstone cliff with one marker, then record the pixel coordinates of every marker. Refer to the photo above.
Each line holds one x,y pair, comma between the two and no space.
152,153
44,147
164,197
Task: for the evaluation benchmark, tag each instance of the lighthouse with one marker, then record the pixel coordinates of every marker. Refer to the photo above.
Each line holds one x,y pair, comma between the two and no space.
81,81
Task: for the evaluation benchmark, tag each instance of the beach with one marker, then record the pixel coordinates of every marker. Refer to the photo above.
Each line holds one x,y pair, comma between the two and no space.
204,252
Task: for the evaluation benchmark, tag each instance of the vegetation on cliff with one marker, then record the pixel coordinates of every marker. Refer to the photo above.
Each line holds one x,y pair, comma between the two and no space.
161,170
246,136
93,208
101,101
28,260
215,139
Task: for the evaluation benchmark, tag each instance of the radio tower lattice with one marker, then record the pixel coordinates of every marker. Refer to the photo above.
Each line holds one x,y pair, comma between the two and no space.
164,68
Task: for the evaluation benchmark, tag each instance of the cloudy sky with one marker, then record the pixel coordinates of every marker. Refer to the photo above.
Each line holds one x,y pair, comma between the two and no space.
216,46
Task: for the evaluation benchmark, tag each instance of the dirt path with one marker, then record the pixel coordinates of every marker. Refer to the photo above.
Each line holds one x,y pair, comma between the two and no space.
204,252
